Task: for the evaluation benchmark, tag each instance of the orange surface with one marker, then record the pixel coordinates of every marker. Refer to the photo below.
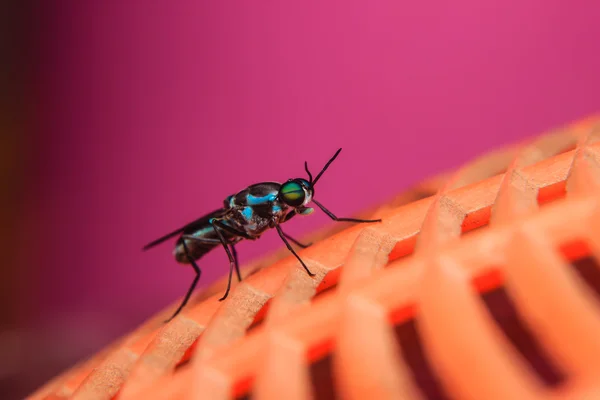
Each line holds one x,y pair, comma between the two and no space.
483,290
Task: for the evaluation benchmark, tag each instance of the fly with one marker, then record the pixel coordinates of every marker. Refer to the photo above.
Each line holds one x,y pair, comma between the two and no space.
247,215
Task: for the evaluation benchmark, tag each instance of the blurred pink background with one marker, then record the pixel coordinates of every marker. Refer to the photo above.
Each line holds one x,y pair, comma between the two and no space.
151,113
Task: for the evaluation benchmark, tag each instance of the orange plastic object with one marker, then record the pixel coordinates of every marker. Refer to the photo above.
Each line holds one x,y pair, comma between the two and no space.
479,284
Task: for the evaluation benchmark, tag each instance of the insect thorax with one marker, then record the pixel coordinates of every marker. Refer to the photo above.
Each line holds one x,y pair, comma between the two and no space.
255,220
254,209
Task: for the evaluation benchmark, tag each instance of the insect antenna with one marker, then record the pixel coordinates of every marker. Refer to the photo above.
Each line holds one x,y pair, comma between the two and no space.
308,172
326,166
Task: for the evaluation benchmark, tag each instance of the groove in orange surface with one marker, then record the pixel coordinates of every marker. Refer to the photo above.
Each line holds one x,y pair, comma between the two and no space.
243,385
575,249
231,320
283,370
260,315
584,176
488,281
296,291
545,291
476,219
330,280
369,253
552,192
399,315
188,354
403,248
512,324
468,334
366,347
442,224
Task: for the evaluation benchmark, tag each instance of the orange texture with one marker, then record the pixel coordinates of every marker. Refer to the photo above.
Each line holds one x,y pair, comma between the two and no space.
482,283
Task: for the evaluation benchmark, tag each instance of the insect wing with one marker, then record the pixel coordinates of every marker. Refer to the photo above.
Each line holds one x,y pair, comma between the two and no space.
189,228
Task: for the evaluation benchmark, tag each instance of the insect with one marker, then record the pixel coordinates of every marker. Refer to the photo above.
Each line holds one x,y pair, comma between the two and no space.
247,215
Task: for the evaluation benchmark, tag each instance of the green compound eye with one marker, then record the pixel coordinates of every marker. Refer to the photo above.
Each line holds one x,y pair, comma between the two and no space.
292,194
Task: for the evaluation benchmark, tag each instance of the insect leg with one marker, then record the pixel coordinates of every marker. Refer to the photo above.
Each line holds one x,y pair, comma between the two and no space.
287,218
237,265
282,236
217,226
333,217
297,243
194,282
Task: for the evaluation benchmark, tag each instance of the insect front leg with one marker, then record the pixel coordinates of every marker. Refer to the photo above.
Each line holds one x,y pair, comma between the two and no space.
297,243
282,236
333,217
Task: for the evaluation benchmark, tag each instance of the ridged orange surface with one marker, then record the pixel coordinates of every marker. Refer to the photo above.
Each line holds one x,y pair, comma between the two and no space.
479,284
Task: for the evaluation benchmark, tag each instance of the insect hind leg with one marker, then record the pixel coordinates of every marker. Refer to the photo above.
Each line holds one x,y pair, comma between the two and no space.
194,282
237,265
217,226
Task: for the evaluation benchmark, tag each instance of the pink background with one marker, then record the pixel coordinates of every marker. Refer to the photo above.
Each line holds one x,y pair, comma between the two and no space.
151,115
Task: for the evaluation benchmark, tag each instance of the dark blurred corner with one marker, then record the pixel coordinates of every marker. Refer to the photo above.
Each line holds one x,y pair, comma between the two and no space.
18,27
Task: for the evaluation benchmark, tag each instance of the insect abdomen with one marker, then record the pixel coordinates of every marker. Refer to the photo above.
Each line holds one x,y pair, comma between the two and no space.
195,249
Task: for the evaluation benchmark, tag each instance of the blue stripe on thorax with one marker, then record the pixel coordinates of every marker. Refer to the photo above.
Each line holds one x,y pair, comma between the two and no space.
255,201
247,213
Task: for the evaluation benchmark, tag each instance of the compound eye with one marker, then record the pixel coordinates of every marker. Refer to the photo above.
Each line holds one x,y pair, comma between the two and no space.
292,194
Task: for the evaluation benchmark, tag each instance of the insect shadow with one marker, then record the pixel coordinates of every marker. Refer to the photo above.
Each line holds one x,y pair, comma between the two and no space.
247,215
